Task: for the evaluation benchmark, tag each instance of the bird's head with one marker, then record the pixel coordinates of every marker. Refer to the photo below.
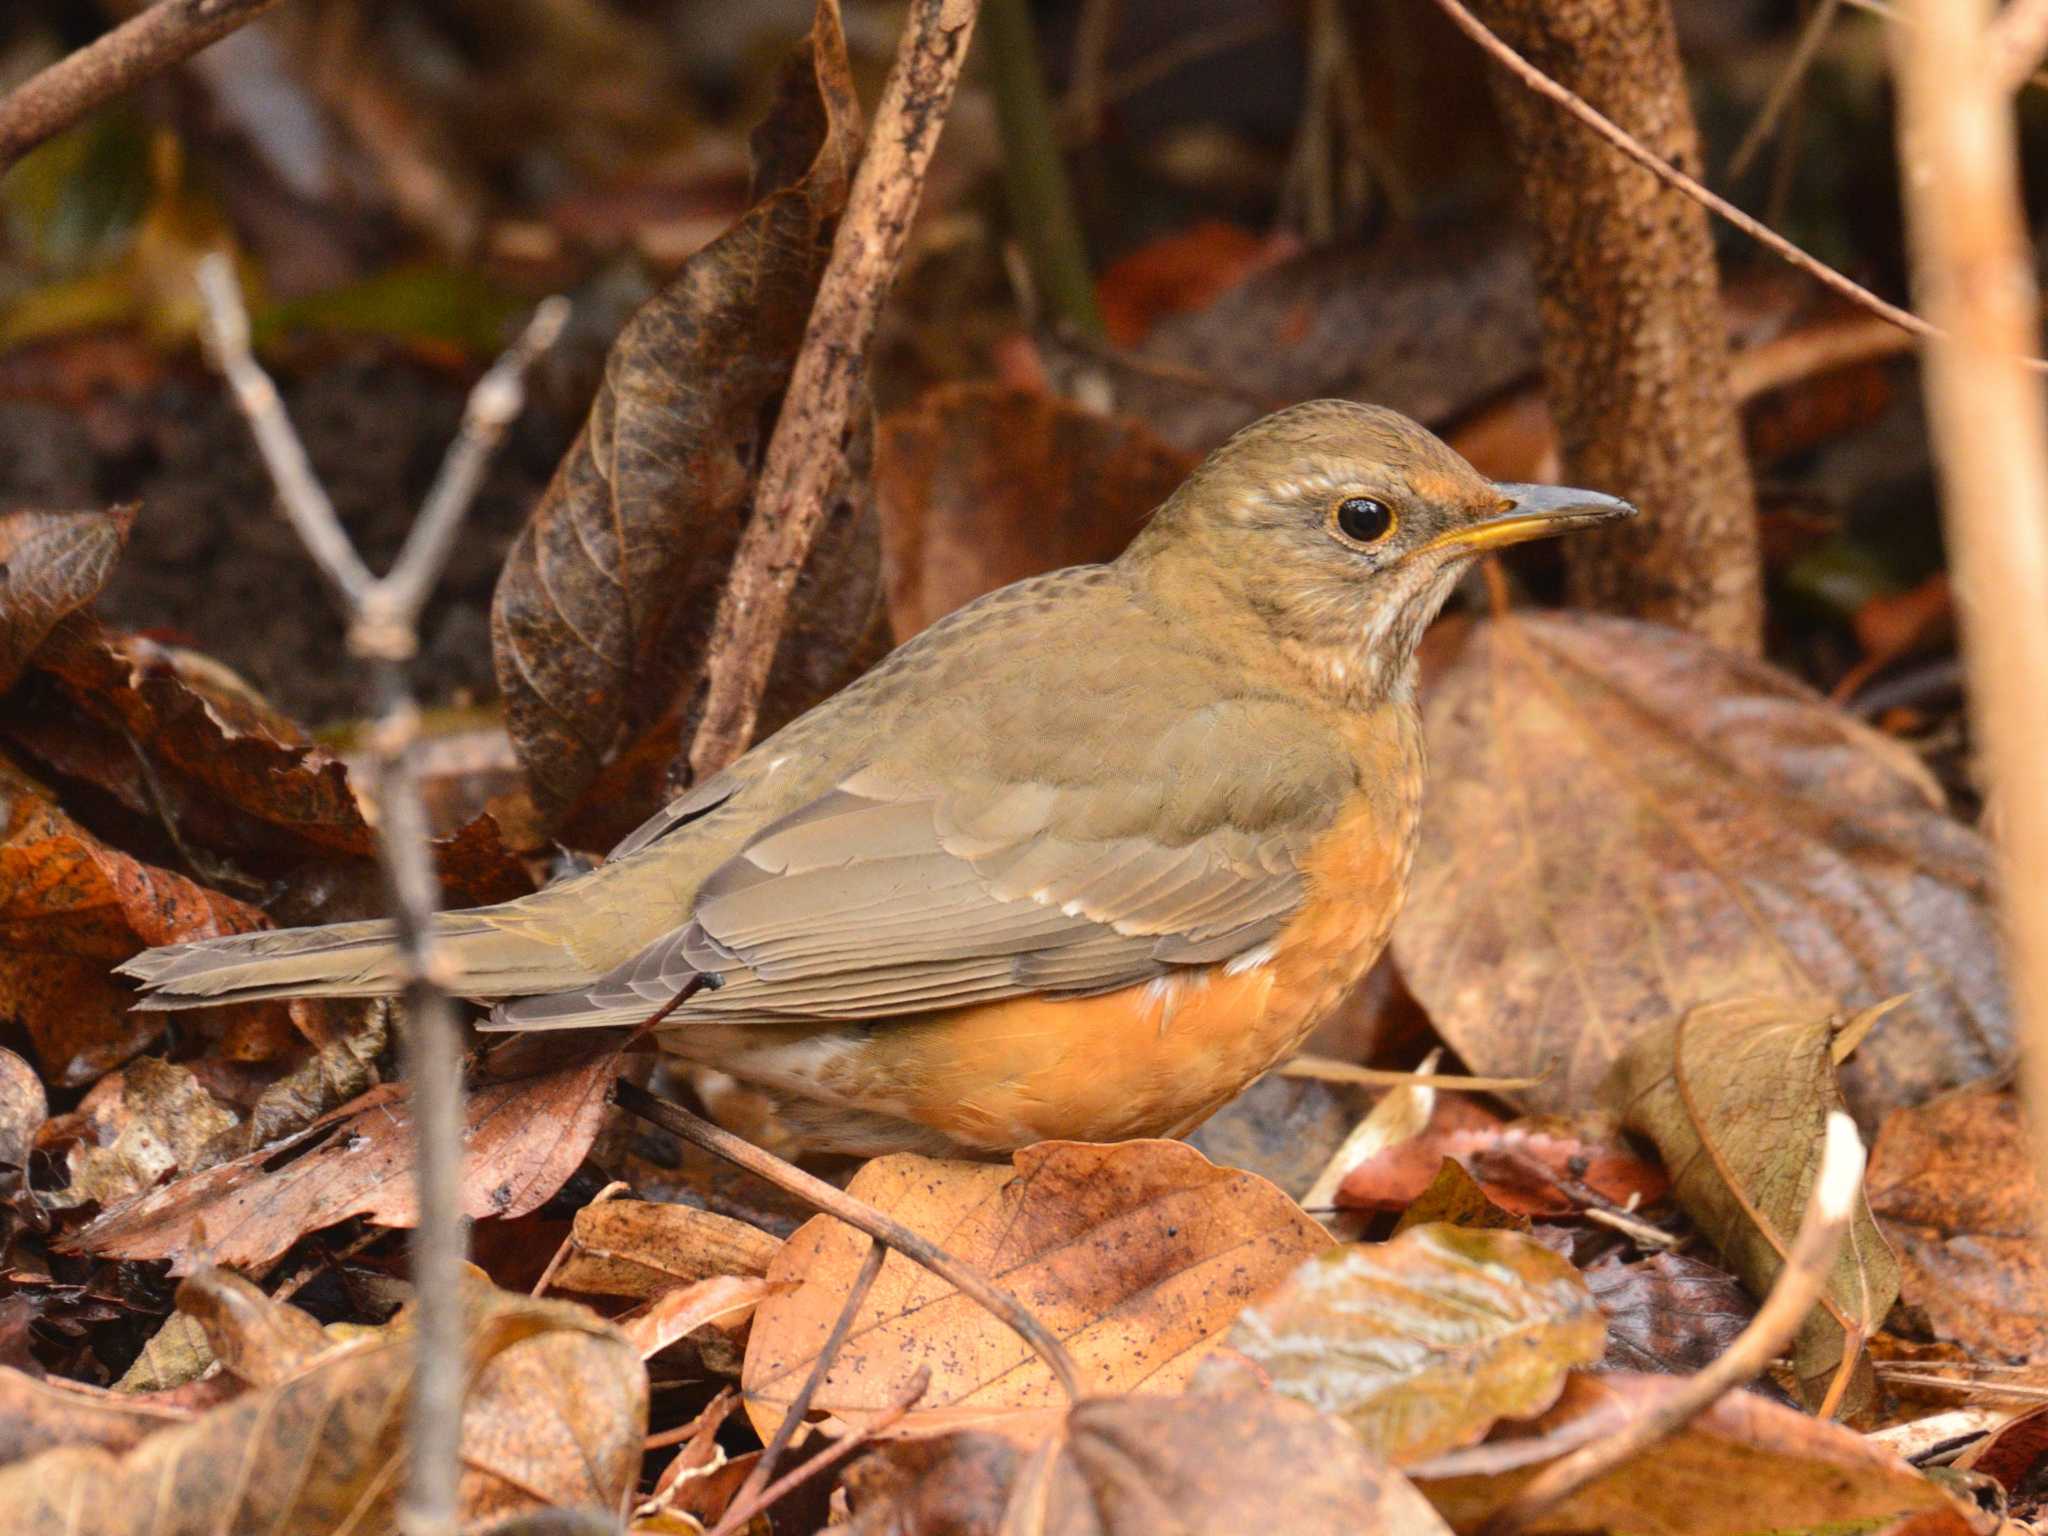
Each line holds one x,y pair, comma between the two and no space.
1341,529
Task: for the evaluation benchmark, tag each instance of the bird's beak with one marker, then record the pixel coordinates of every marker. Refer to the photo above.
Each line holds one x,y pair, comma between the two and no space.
1533,512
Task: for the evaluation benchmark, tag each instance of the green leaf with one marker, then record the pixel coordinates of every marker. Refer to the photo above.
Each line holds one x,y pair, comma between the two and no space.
1420,1343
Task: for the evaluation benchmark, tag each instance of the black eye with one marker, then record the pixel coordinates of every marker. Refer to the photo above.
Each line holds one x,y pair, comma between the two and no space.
1364,519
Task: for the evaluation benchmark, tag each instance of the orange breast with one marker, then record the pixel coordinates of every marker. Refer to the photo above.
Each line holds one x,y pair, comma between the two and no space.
1154,1059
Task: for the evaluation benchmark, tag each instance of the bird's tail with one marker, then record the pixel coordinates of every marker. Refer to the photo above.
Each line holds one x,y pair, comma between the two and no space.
342,960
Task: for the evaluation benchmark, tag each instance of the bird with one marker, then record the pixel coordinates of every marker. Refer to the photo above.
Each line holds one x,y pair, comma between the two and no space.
1077,862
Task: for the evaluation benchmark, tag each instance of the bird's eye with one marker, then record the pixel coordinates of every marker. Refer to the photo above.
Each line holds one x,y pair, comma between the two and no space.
1363,519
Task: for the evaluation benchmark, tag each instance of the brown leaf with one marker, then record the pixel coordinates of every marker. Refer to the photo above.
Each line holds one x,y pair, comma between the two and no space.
605,604
1746,1467
1137,1255
556,1409
70,908
723,1301
1736,1095
38,1414
983,485
527,1126
641,1248
166,1119
1456,1198
1955,1189
1421,1343
1182,273
1625,823
23,1109
1668,1314
1135,1466
51,565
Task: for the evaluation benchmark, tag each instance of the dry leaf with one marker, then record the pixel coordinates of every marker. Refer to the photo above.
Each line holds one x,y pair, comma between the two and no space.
526,1128
1746,1467
71,907
1421,1343
982,485
723,1301
554,1417
1736,1095
1401,1115
23,1109
39,1414
1954,1186
1668,1313
605,605
642,1248
1624,823
1456,1198
1138,1466
1182,273
166,1121
1136,1255
51,565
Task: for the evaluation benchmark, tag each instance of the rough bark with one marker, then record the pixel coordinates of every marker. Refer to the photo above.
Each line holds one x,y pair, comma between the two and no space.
1635,358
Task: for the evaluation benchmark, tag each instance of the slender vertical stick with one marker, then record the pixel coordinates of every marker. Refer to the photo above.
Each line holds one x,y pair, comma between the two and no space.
1974,279
383,617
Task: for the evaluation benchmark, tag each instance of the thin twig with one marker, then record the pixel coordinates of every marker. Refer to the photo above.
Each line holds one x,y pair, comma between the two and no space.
1804,50
383,617
554,1267
1328,1070
806,457
1973,270
861,1216
1629,145
800,1405
1799,1285
165,34
742,1509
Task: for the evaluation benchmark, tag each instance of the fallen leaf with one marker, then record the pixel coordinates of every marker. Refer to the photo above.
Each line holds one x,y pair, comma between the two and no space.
23,1109
1137,1256
71,907
1455,1198
1736,1095
1954,1187
51,565
1745,1467
1182,273
723,1301
641,1248
605,605
1401,1115
982,485
176,1355
527,1125
2015,1456
555,1413
167,1120
1668,1313
1702,827
38,1414
1281,1128
1421,1343
1134,1466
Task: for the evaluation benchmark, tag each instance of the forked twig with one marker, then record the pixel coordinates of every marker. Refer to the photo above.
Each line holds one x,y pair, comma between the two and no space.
1829,1210
168,33
383,617
861,1216
743,1509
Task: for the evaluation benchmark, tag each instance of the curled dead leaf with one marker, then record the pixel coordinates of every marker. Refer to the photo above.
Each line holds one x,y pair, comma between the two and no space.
644,1247
1419,1344
1955,1189
1625,823
1138,1256
51,565
1736,1096
1669,1314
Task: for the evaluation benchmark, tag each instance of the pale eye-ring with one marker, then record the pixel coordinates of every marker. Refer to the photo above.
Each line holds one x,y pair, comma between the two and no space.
1363,519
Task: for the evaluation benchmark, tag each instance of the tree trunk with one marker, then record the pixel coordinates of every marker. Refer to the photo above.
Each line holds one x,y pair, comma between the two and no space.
1635,353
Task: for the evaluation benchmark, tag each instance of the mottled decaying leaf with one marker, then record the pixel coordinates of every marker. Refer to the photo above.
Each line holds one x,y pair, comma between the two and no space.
23,1109
528,1123
1625,823
71,907
51,565
1201,1465
1745,1467
982,485
38,1414
1736,1095
1138,1255
1421,1343
643,1247
1954,1186
606,600
556,1409
1669,1313
167,1119
1456,1198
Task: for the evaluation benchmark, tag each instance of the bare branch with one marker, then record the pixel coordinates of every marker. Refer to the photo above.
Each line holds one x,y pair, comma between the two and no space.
382,615
165,34
1800,1283
1755,228
1973,270
806,458
1786,86
859,1215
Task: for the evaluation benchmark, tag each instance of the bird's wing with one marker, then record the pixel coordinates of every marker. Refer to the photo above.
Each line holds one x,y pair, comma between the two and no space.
901,891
